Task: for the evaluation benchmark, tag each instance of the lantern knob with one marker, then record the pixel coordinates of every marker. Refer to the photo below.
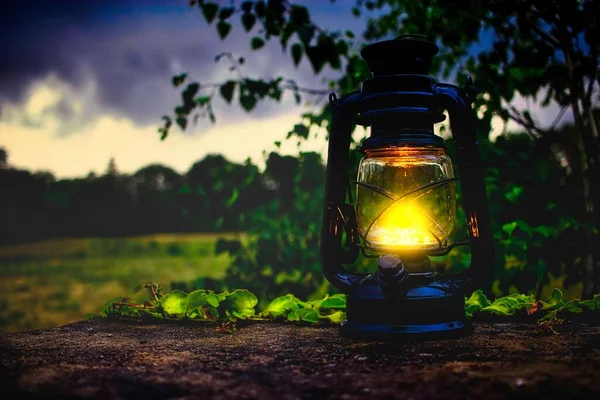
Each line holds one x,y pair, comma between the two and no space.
391,271
407,54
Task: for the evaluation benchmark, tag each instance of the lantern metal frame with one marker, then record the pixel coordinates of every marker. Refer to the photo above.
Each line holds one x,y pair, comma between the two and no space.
400,103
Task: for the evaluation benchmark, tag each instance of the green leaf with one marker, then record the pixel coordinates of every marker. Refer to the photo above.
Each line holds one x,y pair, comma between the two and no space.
522,298
179,79
226,90
499,308
525,228
248,21
248,102
189,93
259,8
476,302
300,130
182,122
299,15
304,314
256,43
514,194
297,53
316,57
596,300
356,12
335,301
305,34
168,121
202,297
226,12
202,100
174,303
342,47
337,317
209,10
240,303
281,306
588,304
234,196
286,34
574,306
509,228
203,304
478,298
246,6
555,298
546,231
223,28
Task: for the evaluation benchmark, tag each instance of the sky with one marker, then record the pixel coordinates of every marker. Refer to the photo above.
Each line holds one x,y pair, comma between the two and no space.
85,81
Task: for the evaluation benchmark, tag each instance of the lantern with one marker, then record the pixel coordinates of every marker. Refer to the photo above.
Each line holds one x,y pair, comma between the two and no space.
405,205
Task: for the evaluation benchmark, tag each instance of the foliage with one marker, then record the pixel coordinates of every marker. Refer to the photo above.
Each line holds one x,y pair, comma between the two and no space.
226,307
281,253
208,197
543,51
207,305
549,313
534,218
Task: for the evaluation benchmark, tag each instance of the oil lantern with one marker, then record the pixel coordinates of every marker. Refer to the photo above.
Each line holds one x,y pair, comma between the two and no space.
404,206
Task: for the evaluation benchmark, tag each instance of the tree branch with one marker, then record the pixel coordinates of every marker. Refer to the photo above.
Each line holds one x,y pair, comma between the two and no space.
516,116
548,37
315,92
590,88
558,118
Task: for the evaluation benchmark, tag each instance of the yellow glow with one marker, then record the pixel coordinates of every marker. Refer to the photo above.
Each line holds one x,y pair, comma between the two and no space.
403,225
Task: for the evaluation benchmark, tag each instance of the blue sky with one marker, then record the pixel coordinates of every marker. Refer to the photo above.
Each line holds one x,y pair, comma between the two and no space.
84,81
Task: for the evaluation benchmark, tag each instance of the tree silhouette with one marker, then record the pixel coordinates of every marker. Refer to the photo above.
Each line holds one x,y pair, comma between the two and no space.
543,50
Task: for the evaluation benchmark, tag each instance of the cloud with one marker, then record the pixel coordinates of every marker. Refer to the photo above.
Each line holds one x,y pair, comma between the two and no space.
34,146
66,108
97,73
128,51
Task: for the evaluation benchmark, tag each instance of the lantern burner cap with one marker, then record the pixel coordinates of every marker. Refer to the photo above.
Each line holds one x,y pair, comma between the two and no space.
391,271
407,54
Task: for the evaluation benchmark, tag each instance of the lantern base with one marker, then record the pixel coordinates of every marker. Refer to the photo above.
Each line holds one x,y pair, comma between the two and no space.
406,332
414,309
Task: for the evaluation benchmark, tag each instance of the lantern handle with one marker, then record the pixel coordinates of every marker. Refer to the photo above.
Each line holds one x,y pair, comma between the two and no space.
333,255
457,101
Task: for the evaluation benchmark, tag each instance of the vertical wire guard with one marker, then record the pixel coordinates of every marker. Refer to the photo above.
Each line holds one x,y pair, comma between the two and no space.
472,185
332,252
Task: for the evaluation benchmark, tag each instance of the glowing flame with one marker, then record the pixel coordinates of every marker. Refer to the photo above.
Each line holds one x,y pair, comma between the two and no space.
402,225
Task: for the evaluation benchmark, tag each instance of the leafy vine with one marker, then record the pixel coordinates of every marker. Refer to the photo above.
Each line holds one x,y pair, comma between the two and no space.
226,308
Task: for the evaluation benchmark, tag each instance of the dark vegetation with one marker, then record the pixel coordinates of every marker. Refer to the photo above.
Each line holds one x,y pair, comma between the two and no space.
543,184
207,198
539,239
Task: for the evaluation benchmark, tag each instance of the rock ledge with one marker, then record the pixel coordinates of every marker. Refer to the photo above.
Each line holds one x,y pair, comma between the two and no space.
101,359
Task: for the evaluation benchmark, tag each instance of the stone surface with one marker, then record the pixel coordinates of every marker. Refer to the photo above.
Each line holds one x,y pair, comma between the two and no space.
100,359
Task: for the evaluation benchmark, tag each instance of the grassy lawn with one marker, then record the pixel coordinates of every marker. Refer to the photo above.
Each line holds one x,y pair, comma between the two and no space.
55,282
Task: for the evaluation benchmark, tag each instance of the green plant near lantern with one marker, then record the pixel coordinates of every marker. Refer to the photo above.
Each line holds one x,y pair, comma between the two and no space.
240,304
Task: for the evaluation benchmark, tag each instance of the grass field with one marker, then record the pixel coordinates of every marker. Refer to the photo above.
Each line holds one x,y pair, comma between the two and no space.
55,282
